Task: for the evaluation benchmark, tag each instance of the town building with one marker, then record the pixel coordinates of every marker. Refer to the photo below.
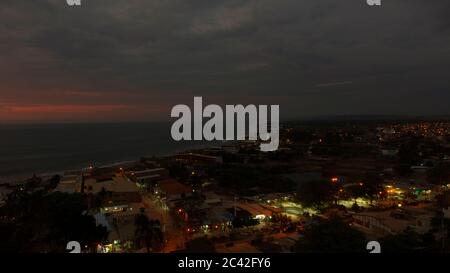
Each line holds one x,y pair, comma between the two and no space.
377,224
69,184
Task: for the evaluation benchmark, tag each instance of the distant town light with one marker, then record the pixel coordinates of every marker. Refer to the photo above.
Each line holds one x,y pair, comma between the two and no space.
334,179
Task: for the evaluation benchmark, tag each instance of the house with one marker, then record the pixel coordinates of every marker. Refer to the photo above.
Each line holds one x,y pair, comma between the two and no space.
173,190
148,175
69,184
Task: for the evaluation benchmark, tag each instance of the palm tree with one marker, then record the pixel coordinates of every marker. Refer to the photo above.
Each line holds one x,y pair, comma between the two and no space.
144,231
157,231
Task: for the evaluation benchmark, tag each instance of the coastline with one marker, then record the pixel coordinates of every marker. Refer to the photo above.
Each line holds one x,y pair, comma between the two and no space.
17,179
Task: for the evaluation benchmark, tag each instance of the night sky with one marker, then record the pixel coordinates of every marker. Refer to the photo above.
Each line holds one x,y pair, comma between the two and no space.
132,60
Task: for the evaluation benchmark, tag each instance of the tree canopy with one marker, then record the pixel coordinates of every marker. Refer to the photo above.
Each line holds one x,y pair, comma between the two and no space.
316,193
331,236
42,222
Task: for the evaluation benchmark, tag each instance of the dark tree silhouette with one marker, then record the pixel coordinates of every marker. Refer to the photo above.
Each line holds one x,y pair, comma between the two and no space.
41,222
407,241
148,232
331,236
316,193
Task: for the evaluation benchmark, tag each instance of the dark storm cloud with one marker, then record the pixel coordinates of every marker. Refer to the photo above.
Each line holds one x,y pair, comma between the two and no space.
314,57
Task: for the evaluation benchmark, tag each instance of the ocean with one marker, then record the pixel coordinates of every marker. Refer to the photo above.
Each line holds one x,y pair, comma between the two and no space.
32,148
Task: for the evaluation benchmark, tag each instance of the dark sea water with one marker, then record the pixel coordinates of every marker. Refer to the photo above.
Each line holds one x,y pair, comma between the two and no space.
28,149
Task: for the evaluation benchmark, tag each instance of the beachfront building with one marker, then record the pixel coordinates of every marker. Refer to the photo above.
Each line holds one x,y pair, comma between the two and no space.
117,192
147,176
194,158
69,184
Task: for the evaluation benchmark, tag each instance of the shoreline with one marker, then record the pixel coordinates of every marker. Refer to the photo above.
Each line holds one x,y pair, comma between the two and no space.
17,179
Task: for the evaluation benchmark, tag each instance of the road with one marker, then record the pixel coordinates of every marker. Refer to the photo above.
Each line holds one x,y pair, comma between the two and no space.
173,233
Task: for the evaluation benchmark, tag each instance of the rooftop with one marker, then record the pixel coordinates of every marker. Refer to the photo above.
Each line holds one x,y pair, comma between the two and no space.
172,187
117,184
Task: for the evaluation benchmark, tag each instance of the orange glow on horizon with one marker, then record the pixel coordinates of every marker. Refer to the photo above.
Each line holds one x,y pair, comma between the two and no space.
79,112
68,108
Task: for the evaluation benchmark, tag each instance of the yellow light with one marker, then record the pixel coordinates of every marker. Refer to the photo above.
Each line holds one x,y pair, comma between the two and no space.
334,179
399,205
